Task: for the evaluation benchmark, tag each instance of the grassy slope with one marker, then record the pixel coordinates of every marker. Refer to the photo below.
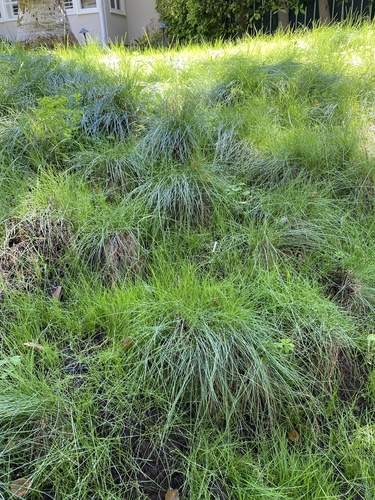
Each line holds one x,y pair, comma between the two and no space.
209,215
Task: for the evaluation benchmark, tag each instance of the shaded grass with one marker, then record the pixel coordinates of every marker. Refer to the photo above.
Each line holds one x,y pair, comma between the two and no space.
208,213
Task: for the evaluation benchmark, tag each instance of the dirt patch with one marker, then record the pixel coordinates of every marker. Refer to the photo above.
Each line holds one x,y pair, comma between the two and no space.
345,289
353,375
157,464
146,462
335,368
31,253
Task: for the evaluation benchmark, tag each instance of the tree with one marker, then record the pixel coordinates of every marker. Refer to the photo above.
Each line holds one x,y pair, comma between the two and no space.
213,19
205,19
283,15
43,22
324,12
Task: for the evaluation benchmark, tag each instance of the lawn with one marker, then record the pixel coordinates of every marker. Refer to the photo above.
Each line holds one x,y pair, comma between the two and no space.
187,270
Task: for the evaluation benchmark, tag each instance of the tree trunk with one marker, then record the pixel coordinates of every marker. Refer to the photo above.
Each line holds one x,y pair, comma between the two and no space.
324,13
43,22
240,18
283,16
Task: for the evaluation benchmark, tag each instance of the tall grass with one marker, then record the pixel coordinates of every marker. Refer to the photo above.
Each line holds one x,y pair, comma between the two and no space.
187,269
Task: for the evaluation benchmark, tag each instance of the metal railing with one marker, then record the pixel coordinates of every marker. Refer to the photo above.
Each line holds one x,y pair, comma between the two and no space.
338,11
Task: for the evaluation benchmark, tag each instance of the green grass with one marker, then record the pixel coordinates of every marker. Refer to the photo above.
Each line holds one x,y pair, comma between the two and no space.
187,277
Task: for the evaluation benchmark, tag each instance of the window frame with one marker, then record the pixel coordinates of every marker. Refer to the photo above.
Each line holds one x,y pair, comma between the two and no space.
83,10
114,10
77,8
9,10
69,9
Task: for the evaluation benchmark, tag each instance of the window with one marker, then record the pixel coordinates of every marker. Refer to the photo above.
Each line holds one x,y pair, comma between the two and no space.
12,8
79,6
88,4
117,6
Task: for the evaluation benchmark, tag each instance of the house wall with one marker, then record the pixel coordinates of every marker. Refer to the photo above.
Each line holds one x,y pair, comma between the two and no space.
117,24
140,14
90,21
131,24
8,19
8,29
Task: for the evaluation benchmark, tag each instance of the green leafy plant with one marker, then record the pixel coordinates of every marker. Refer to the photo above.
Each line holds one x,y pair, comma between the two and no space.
285,346
56,118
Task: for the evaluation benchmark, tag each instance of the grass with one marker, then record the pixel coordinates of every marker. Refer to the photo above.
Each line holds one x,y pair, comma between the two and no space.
187,269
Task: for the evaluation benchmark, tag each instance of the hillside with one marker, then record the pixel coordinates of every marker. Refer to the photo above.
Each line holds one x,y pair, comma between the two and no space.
187,270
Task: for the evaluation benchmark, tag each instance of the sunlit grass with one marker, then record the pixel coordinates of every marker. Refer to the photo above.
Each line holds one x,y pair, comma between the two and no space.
187,277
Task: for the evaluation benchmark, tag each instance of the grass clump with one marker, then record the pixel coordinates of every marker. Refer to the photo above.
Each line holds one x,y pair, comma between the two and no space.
210,351
186,269
112,166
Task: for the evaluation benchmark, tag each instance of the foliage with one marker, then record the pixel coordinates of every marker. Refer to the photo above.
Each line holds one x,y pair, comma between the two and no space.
187,277
207,20
55,119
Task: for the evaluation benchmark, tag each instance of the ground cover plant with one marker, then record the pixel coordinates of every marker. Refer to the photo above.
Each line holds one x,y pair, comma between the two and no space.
187,277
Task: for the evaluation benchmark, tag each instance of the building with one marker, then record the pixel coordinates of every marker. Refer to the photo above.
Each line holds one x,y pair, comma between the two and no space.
104,19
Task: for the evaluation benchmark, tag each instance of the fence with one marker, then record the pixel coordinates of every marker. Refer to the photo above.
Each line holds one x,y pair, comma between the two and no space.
338,11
